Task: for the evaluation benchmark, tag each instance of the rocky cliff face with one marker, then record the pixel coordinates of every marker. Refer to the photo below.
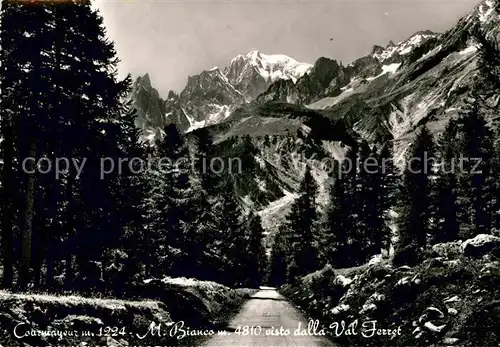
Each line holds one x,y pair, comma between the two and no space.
150,107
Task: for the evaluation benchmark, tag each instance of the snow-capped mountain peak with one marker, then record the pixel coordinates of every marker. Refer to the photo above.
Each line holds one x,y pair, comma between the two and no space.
274,66
253,72
402,48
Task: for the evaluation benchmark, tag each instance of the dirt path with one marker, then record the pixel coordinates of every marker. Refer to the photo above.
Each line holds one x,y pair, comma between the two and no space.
267,311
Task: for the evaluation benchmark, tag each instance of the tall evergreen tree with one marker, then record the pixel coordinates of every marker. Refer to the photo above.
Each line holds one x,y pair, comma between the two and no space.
129,191
447,207
476,180
206,184
203,158
172,199
201,235
301,221
336,226
372,229
277,268
255,252
415,196
496,184
231,238
27,115
64,101
390,180
9,75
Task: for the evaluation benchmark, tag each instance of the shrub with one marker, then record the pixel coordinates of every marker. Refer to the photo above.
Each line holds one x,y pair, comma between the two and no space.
408,255
325,286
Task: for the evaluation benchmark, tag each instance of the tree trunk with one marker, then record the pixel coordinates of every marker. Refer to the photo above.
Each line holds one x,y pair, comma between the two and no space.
8,210
38,242
24,268
49,276
70,243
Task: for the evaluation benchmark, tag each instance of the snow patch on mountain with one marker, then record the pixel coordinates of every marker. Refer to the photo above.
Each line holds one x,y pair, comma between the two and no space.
391,68
276,211
334,148
430,53
193,124
325,103
468,50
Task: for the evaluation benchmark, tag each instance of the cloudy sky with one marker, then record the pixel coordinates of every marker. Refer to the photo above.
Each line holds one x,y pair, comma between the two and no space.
172,39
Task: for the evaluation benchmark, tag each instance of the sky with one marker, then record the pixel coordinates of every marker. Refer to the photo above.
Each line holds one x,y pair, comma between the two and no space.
173,39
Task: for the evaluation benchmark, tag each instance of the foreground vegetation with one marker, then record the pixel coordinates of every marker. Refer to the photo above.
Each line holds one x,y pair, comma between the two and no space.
118,323
450,299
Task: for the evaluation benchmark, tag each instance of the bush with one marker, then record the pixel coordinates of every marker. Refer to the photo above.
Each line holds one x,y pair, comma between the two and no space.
495,252
408,255
378,271
325,285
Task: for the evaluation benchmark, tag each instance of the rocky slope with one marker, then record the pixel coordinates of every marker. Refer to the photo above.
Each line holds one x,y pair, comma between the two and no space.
427,85
274,141
425,79
450,299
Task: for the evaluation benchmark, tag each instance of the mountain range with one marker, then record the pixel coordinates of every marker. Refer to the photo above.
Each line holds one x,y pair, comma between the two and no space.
211,96
297,113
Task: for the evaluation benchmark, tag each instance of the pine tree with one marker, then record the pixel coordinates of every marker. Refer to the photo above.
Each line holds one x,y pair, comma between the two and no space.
336,226
390,182
352,189
204,154
371,232
24,83
205,184
62,99
9,109
415,198
476,180
447,208
301,221
496,185
200,236
129,191
277,269
255,252
172,198
32,123
231,239
97,96
344,225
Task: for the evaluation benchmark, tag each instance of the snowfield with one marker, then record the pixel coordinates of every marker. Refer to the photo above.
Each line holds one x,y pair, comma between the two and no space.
386,69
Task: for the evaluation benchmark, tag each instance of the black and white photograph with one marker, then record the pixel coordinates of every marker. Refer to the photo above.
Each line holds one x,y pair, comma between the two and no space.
249,173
